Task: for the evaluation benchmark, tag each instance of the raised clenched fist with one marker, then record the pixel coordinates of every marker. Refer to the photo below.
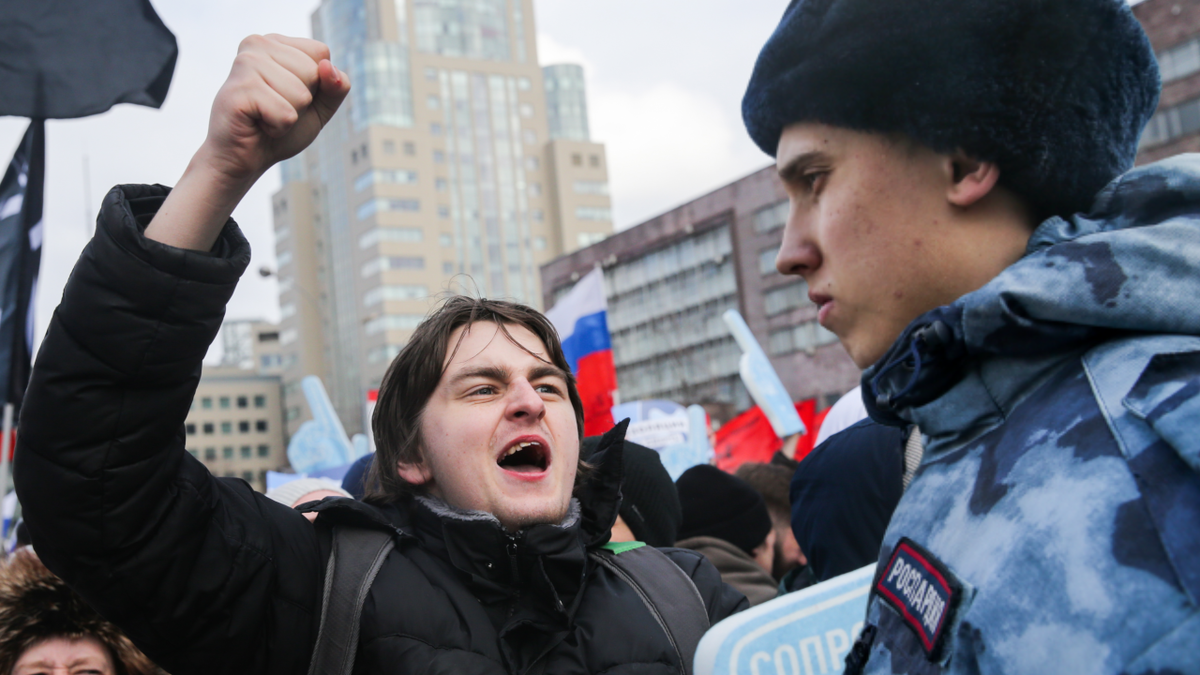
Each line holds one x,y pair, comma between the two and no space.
280,93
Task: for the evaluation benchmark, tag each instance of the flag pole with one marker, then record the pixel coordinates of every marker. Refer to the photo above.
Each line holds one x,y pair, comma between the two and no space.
5,448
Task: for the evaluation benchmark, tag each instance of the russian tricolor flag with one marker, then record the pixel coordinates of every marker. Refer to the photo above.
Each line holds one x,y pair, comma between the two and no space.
582,323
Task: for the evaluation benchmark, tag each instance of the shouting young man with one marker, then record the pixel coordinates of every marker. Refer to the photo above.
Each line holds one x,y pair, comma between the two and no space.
965,217
497,528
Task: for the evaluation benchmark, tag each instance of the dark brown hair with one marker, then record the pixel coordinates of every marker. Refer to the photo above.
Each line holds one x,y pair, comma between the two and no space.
414,375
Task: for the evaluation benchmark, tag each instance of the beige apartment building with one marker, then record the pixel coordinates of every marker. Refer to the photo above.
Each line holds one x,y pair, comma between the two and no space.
457,164
235,425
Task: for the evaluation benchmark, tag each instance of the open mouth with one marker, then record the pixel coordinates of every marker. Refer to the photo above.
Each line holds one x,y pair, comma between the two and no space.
525,457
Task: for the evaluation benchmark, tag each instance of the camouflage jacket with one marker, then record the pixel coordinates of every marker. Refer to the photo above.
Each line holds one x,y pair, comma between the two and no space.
1054,523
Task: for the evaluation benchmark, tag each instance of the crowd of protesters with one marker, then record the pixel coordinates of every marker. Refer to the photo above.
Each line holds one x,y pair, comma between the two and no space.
964,212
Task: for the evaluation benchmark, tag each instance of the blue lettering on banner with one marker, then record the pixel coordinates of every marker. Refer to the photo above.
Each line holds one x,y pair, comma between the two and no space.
921,589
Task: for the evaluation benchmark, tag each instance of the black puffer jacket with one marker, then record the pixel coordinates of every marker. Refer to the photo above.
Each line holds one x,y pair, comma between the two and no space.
208,576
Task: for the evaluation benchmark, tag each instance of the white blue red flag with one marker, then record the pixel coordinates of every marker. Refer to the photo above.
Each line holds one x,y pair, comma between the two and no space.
581,317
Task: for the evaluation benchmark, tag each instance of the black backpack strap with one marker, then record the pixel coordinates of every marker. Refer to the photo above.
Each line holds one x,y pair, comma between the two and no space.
355,558
667,592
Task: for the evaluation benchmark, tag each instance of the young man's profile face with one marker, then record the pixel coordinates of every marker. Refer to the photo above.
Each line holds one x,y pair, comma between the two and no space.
872,232
499,432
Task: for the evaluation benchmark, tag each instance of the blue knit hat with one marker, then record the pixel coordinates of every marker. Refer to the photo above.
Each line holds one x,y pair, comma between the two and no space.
1056,92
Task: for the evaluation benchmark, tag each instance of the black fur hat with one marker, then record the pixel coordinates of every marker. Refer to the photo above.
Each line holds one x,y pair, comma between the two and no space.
36,605
1056,92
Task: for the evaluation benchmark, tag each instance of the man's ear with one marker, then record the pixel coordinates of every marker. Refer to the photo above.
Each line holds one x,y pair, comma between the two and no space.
971,179
414,474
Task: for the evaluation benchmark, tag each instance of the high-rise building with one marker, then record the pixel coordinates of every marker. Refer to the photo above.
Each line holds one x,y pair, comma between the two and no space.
1173,27
441,172
668,281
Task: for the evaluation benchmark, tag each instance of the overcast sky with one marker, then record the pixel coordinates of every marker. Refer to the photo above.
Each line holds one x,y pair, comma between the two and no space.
665,80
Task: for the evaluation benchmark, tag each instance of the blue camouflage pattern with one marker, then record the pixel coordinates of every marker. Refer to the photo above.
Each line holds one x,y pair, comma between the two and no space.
1060,407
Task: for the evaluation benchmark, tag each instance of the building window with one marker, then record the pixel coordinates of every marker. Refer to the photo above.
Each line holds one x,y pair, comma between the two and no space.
395,292
576,159
244,427
243,402
194,453
223,402
376,235
389,147
247,452
384,176
446,240
1171,123
383,353
593,213
410,148
260,401
431,74
785,298
535,189
380,205
384,263
447,268
539,243
210,454
432,103
393,322
591,187
435,129
803,337
264,451
1179,61
766,259
523,83
191,429
206,403
260,425
526,110
771,218
440,184
248,476
227,452
443,212
439,157
594,161
208,427
537,215
529,136
532,163
227,427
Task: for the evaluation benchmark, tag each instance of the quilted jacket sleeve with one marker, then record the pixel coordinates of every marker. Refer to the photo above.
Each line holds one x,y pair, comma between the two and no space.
205,575
721,599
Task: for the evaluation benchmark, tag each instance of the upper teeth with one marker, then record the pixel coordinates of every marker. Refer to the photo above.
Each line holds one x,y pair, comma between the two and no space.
521,446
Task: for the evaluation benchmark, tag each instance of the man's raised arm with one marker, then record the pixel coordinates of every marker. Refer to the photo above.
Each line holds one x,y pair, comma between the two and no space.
204,574
279,95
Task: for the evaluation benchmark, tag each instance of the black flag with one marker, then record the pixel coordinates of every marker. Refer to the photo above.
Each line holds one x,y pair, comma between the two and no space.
20,256
62,59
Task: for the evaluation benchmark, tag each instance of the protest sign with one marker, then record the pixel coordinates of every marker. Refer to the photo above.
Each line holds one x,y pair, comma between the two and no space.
762,381
808,632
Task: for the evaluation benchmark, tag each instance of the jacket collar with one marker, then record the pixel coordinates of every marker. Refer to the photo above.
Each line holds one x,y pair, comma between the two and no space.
1127,266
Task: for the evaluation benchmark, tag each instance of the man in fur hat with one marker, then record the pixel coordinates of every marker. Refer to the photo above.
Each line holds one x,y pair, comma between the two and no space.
965,217
46,628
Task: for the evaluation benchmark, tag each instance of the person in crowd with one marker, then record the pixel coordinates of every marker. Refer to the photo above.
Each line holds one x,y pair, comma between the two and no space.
843,495
965,216
45,627
498,531
650,510
771,481
848,411
727,521
305,490
355,480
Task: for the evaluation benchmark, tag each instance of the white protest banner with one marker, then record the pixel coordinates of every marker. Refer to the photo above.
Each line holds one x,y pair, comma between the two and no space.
808,632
